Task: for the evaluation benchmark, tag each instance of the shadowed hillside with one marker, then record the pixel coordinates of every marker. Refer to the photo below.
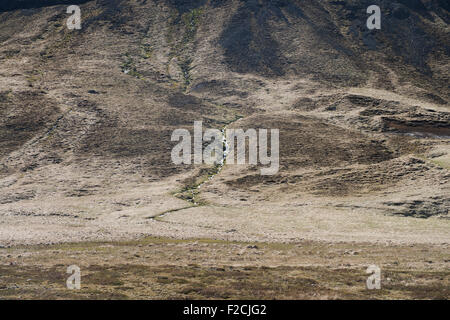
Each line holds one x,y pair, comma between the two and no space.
31,4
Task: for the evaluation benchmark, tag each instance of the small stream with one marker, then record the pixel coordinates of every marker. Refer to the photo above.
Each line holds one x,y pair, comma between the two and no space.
226,150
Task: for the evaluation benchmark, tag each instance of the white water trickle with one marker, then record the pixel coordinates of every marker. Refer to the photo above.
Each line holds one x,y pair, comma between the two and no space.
226,150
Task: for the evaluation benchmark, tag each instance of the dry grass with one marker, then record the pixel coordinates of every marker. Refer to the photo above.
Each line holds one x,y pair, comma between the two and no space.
159,268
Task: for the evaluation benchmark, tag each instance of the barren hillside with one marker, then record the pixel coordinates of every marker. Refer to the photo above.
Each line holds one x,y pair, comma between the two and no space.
87,115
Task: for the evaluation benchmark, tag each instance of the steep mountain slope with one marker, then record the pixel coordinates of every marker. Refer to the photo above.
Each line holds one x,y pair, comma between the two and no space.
87,117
